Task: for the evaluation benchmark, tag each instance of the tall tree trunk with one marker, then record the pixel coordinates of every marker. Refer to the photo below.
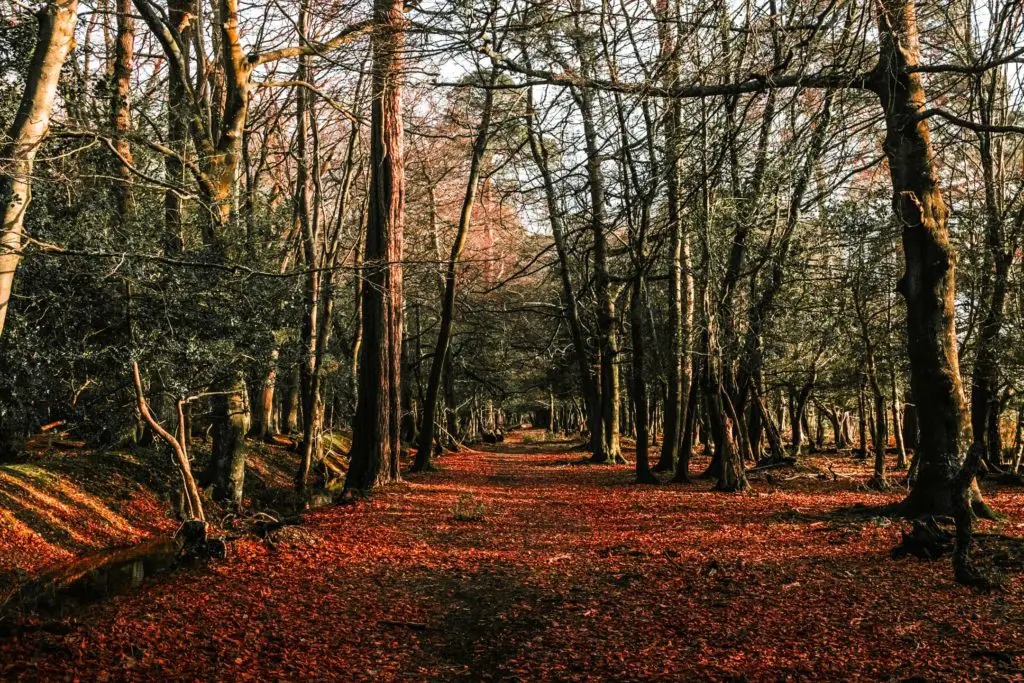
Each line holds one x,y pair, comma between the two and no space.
427,428
928,283
357,313
180,13
998,258
588,383
680,286
309,230
120,108
31,124
375,448
607,337
230,423
639,382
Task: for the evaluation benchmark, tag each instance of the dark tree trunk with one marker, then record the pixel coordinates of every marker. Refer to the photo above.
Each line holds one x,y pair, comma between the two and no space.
227,460
998,257
375,440
424,453
588,383
308,229
928,283
680,289
682,471
639,383
180,13
290,404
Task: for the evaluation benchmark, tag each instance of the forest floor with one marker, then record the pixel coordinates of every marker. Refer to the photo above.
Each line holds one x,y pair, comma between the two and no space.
519,562
62,503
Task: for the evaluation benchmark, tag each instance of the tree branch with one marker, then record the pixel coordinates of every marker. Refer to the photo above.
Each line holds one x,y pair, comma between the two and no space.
967,123
346,35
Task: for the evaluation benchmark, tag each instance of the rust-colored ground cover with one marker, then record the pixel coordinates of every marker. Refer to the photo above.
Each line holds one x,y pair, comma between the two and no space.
524,564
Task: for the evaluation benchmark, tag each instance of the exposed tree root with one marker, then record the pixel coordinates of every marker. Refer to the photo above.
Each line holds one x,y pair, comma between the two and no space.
877,483
929,540
925,540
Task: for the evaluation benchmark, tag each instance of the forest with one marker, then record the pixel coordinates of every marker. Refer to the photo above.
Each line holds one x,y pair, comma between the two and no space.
511,339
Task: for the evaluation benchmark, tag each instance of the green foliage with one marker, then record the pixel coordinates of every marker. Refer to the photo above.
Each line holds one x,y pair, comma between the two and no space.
469,509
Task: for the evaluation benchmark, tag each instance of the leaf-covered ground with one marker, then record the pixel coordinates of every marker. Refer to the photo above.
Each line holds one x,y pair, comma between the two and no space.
59,504
523,564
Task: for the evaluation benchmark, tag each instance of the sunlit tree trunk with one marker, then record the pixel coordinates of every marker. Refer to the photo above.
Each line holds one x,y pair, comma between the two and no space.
928,283
897,421
120,107
263,415
178,443
31,124
309,230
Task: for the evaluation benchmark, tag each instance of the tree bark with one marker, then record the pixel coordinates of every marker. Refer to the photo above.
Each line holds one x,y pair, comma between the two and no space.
176,442
427,424
928,283
588,383
375,446
28,130
230,424
263,416
680,286
998,258
120,108
897,423
180,13
607,337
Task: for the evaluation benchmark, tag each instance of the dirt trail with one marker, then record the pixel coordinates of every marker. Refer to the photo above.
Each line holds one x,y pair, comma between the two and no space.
521,563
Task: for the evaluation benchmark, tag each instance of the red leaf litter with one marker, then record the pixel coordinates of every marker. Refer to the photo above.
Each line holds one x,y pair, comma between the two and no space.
527,565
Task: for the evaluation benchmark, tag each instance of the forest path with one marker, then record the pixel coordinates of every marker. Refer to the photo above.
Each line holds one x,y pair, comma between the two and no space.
570,572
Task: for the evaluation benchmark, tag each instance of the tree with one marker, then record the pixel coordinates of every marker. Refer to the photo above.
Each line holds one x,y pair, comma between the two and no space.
375,438
425,448
32,122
